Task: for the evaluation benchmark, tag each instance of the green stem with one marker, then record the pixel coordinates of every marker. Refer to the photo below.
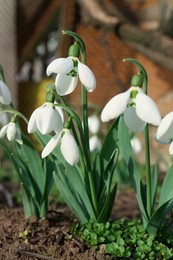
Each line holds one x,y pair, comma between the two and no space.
146,140
147,157
88,172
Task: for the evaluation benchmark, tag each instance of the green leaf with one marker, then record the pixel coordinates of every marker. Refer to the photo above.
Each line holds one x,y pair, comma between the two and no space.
110,144
107,197
29,203
75,193
167,190
159,217
69,197
97,174
154,181
127,153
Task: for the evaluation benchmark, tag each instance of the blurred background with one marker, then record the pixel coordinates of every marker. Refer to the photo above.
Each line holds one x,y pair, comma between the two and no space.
30,38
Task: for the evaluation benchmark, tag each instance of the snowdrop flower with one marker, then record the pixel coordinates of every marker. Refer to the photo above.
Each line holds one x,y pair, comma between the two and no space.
46,119
94,143
4,118
67,70
12,132
136,144
68,146
93,124
137,107
5,95
164,134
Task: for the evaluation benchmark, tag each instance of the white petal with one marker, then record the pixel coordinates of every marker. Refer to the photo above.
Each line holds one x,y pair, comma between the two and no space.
69,148
11,131
65,84
32,126
3,131
18,136
132,121
87,77
4,118
49,119
5,95
51,145
60,65
147,110
95,143
171,149
93,124
115,107
60,111
165,130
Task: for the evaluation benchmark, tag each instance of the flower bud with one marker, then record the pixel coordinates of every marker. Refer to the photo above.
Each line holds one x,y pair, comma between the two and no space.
74,50
137,80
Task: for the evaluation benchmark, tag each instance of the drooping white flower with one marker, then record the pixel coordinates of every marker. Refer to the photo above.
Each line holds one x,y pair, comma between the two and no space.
93,124
4,118
67,70
94,143
164,134
136,144
138,109
69,147
12,132
46,119
5,95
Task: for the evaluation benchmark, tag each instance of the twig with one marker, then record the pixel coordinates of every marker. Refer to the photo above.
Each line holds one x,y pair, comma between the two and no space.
25,252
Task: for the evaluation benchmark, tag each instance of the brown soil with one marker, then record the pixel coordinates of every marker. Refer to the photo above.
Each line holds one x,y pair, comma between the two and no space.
48,238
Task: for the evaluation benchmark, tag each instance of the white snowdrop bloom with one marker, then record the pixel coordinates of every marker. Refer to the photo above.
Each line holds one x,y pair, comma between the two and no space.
67,70
12,132
137,107
94,124
4,118
94,143
68,147
164,134
136,144
5,95
46,119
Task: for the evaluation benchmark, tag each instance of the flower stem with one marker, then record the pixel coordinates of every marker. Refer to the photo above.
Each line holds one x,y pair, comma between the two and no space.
148,170
146,140
88,171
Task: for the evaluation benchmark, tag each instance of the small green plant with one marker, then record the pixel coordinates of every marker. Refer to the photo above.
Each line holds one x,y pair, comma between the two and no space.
126,239
23,235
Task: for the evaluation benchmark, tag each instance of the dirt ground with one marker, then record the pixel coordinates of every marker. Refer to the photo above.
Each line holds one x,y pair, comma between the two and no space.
48,238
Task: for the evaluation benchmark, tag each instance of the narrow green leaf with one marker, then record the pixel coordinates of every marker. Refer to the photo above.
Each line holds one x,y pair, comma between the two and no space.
159,217
110,143
127,153
154,181
167,190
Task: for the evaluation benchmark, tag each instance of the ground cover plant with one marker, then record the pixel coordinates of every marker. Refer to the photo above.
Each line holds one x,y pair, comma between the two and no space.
83,177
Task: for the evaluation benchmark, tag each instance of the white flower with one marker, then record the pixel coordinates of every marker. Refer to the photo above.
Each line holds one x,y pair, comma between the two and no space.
4,118
137,107
46,119
136,144
95,143
93,124
67,70
69,147
164,134
5,95
12,132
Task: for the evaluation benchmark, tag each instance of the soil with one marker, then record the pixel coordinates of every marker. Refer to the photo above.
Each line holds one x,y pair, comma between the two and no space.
49,238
